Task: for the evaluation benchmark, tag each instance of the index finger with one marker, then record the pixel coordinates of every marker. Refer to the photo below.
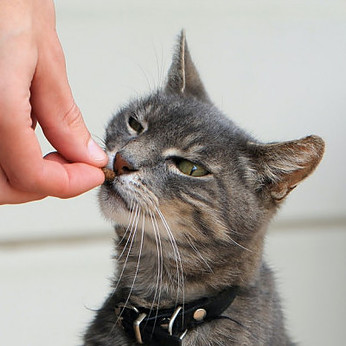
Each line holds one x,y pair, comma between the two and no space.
20,152
26,170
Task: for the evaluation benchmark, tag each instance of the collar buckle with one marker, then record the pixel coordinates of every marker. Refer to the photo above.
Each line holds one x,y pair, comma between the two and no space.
169,322
169,326
141,316
136,327
172,320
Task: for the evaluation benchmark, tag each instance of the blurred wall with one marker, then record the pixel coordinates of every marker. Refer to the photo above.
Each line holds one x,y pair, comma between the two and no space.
277,68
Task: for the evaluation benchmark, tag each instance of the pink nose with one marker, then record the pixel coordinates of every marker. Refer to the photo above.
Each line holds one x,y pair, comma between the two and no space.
121,166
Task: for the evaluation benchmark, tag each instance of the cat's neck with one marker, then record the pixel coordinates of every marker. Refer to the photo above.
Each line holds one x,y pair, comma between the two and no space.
161,272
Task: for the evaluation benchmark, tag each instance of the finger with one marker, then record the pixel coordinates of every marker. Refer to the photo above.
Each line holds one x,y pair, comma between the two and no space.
19,150
53,176
58,115
23,168
73,178
10,195
78,178
21,160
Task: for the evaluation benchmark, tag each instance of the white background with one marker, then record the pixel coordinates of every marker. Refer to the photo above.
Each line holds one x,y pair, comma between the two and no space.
277,68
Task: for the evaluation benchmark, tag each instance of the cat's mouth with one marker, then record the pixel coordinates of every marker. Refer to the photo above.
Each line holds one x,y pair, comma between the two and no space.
126,195
116,196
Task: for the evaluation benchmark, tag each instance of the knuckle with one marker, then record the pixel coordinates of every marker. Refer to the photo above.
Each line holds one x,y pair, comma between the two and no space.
73,117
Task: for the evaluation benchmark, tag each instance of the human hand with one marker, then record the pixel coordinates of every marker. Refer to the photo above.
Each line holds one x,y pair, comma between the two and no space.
34,88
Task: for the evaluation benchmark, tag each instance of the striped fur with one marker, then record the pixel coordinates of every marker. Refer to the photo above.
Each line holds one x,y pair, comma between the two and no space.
181,237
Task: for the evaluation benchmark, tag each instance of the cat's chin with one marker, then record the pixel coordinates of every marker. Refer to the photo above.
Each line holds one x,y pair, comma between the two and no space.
113,206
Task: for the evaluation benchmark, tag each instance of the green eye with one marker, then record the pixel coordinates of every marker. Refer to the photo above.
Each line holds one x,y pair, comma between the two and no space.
189,168
135,125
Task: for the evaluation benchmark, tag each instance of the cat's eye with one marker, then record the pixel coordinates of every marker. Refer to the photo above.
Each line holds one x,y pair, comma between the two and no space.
135,125
190,168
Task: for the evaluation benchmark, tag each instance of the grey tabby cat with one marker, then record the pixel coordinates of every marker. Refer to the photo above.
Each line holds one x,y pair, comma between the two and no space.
191,198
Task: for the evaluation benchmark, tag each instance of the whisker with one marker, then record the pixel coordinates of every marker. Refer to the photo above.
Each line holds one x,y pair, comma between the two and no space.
138,258
158,286
159,257
160,67
129,220
241,246
99,140
179,268
130,217
194,248
129,228
145,74
130,242
134,231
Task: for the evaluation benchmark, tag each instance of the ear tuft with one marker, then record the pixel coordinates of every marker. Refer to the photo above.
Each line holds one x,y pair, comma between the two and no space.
183,78
280,167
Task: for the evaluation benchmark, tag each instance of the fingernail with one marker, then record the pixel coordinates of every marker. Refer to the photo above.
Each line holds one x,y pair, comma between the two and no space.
95,151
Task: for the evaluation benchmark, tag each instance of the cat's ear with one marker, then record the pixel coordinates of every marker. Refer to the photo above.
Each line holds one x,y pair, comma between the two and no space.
280,167
183,78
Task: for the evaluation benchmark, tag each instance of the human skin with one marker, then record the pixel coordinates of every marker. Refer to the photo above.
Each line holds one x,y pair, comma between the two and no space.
34,89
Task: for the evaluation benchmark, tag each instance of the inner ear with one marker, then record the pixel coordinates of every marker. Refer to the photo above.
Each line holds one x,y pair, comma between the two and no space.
183,78
280,167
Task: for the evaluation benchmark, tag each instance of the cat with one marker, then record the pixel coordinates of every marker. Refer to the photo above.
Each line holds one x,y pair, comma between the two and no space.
191,195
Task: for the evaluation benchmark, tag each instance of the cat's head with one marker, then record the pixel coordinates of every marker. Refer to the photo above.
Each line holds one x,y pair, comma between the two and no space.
183,167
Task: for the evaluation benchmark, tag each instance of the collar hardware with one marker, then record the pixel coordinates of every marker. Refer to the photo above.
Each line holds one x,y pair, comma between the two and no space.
141,316
172,320
199,315
136,327
169,327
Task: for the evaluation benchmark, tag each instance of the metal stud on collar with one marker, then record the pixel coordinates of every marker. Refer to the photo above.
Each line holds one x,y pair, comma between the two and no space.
199,315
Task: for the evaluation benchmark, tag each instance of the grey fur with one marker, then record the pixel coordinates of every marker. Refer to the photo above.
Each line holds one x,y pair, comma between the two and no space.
183,237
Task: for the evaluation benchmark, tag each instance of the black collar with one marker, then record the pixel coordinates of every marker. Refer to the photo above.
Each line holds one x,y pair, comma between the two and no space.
169,326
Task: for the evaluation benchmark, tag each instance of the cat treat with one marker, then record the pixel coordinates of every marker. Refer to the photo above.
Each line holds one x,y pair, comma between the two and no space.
109,174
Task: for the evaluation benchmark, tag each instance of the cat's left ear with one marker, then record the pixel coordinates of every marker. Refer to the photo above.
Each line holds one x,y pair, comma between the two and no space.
280,167
183,78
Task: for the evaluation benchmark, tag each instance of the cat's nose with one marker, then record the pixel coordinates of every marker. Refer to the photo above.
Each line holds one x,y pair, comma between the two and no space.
121,166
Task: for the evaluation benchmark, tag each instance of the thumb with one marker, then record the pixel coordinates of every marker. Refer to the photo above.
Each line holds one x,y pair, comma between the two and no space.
55,110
